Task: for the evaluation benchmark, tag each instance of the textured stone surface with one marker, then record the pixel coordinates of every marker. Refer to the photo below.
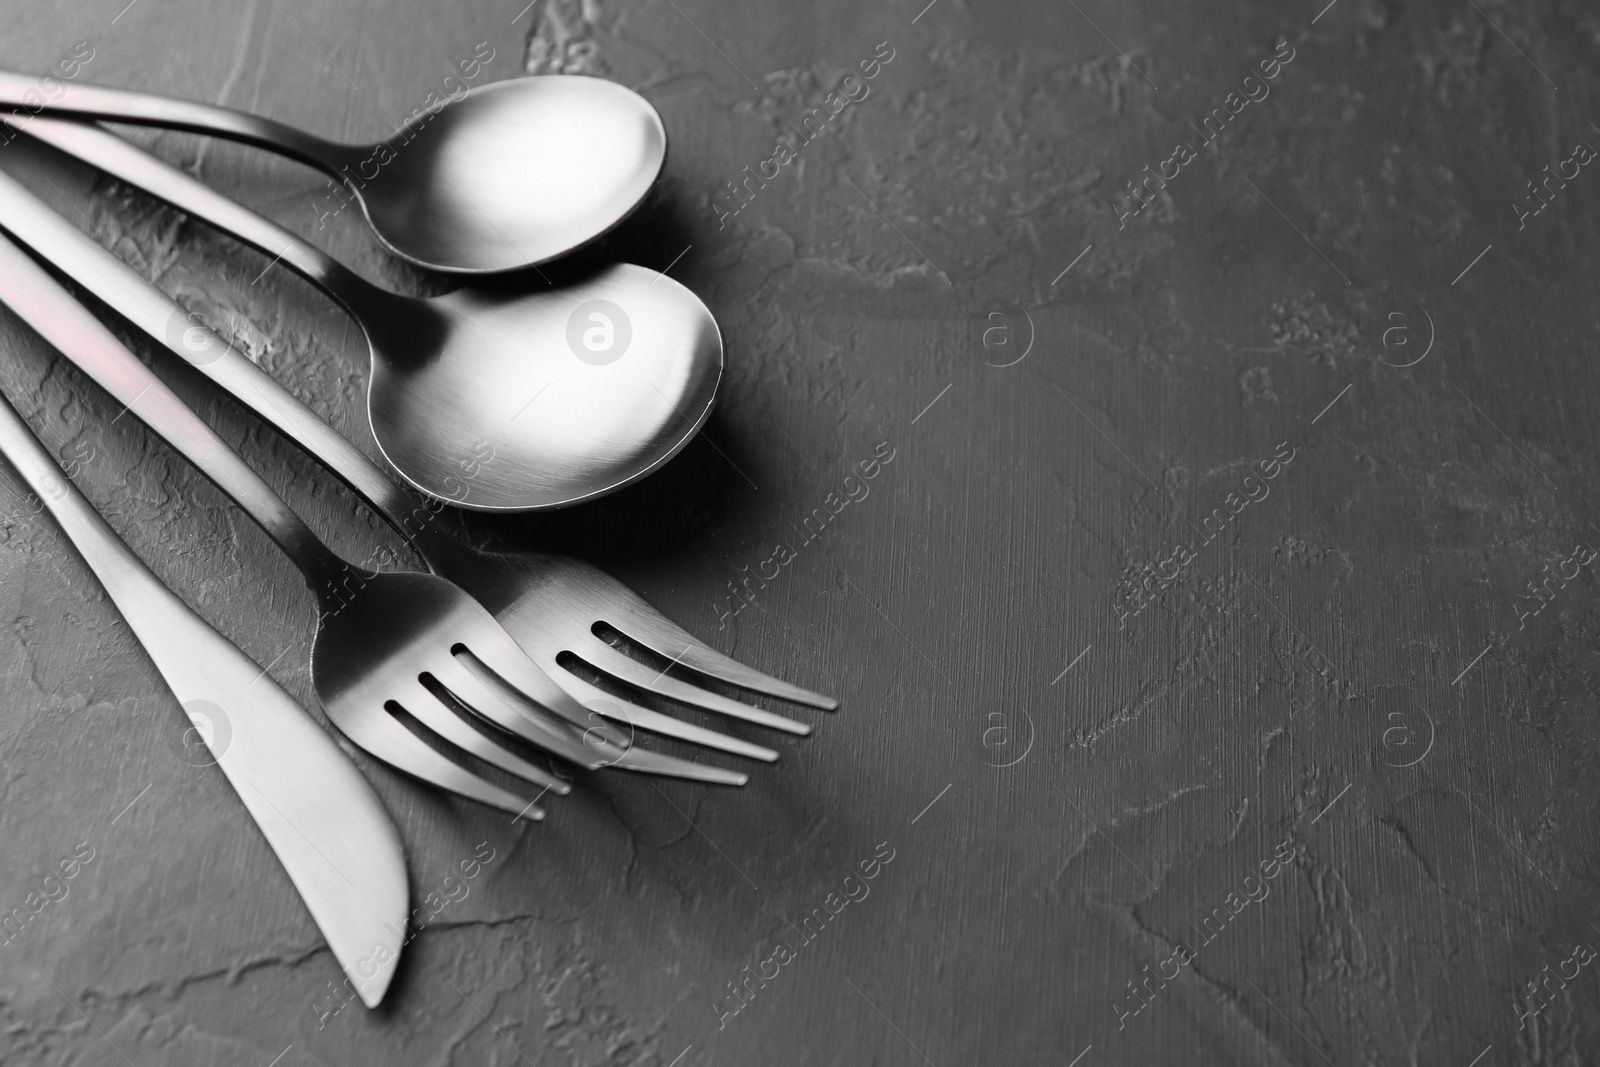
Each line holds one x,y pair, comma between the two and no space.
1359,614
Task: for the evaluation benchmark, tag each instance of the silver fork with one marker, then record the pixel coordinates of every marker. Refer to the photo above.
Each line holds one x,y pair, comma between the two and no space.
552,605
385,640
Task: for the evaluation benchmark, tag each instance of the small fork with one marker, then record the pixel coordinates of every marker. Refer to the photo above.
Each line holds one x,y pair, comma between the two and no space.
553,606
384,640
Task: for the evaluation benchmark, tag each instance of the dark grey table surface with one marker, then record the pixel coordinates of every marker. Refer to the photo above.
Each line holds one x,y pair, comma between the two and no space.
1217,648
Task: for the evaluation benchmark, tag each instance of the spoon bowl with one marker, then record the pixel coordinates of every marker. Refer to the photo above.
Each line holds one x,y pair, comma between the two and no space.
520,401
515,173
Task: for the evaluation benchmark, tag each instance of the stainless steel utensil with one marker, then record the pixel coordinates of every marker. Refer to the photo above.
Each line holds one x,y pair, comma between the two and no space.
318,814
576,391
408,640
513,174
552,605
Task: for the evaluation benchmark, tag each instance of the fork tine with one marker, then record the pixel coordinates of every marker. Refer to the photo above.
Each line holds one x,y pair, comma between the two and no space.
635,619
646,762
659,635
497,705
619,710
493,647
634,758
432,713
384,737
607,659
511,665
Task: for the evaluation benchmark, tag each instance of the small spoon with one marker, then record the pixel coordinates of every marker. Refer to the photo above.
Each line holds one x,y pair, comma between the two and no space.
512,174
494,401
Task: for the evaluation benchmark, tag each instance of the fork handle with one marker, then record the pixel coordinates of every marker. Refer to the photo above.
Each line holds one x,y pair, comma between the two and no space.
21,92
54,313
136,299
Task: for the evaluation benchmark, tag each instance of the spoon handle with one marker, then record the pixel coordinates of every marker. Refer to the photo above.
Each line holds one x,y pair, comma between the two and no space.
147,109
56,316
136,299
102,149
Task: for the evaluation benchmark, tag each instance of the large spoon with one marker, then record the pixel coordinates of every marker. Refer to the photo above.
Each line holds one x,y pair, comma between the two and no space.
512,174
496,401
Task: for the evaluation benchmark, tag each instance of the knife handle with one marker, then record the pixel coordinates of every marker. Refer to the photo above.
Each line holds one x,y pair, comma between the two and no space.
144,601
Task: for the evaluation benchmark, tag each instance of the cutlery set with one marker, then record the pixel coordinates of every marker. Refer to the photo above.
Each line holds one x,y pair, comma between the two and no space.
477,399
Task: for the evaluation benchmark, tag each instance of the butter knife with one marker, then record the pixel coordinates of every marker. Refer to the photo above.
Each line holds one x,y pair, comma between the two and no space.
318,813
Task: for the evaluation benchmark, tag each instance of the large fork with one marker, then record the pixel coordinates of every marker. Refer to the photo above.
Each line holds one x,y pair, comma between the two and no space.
385,640
555,607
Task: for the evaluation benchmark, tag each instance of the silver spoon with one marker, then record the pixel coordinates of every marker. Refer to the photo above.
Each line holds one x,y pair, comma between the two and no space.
513,174
496,401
